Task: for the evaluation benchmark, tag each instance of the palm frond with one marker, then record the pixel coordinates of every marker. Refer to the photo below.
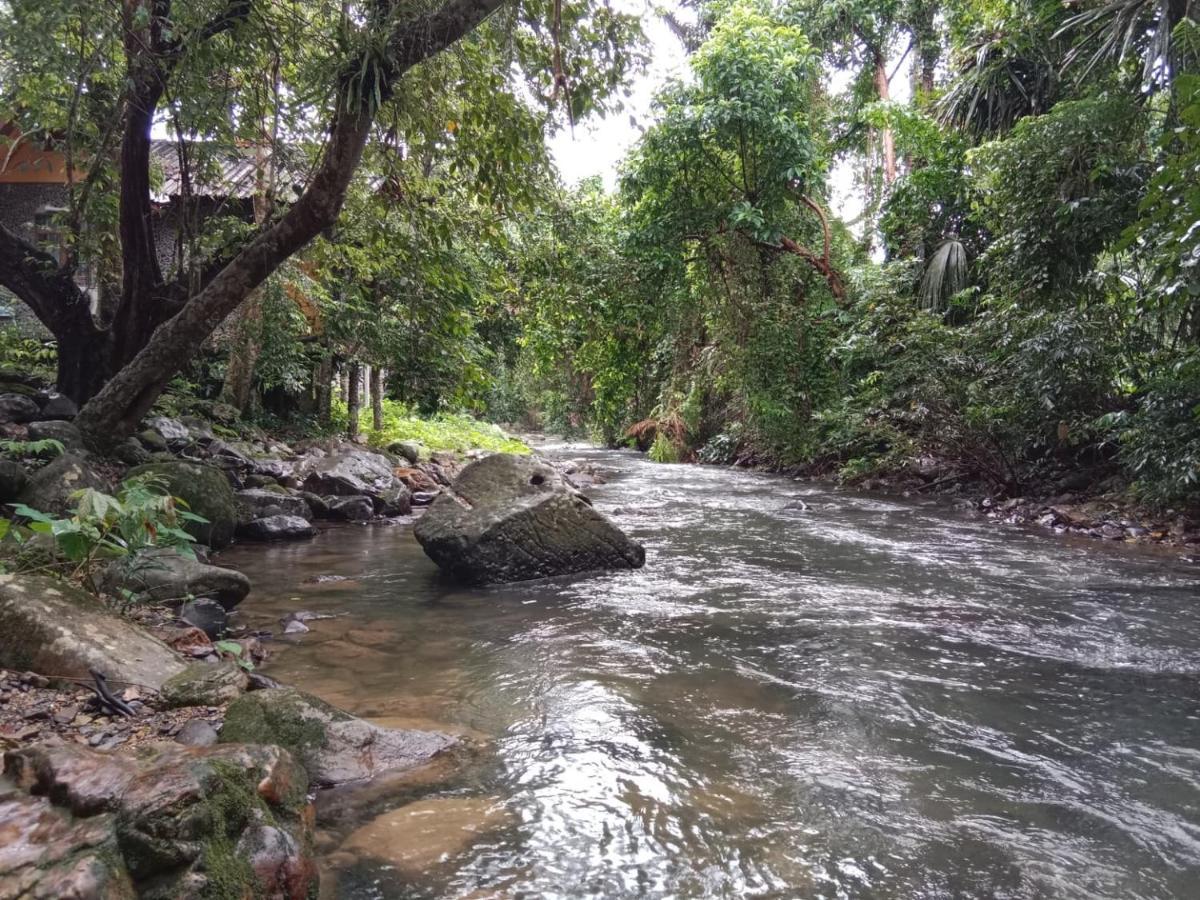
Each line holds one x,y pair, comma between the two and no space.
946,273
1114,31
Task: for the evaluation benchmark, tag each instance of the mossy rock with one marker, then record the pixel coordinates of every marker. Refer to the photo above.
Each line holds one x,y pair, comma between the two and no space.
332,745
204,684
13,480
51,488
207,493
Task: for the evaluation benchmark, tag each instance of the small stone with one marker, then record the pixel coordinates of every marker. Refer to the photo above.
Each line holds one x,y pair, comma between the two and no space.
350,509
207,615
197,733
59,406
66,715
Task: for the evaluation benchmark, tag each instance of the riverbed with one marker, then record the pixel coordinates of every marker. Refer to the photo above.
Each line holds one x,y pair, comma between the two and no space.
806,692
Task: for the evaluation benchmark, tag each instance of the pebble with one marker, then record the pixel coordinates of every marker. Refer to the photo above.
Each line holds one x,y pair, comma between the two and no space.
66,715
197,733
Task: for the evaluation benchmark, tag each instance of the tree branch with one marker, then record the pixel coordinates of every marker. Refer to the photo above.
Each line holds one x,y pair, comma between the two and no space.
119,406
38,281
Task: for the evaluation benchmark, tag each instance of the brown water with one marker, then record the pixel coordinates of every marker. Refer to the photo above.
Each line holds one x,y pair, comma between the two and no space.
871,698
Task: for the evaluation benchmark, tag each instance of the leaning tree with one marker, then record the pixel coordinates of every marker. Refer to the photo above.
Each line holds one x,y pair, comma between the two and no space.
97,83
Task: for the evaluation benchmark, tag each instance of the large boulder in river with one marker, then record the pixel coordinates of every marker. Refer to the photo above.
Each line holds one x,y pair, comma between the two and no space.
351,471
512,518
57,630
207,493
334,746
50,490
163,575
172,821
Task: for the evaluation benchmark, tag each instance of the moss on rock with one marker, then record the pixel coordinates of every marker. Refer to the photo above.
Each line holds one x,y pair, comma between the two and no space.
207,493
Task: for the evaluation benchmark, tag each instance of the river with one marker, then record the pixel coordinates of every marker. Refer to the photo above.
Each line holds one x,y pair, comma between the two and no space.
870,697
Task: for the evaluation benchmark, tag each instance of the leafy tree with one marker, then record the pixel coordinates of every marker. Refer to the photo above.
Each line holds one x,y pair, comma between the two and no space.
341,67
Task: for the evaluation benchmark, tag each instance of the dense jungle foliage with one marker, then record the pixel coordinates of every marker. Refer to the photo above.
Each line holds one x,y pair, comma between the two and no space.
1017,302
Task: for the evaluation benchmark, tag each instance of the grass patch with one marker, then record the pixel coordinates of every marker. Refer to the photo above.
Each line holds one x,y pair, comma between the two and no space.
446,431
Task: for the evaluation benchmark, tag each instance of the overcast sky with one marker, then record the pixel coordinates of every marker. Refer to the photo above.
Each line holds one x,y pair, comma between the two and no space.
598,145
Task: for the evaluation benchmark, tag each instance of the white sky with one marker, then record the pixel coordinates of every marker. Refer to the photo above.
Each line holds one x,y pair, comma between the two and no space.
598,145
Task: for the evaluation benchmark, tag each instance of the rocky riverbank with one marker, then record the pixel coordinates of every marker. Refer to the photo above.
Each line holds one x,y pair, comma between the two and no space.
143,754
1082,505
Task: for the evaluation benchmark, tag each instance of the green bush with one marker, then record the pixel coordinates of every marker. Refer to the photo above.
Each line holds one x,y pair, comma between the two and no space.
104,527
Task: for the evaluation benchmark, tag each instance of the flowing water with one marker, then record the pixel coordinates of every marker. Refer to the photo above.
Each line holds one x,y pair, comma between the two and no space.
865,698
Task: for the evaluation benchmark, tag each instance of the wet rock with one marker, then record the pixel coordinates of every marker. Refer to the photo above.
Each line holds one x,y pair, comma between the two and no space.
199,431
418,480
48,853
197,733
317,503
277,528
395,501
294,625
350,509
13,480
270,467
131,452
204,684
410,450
152,440
63,432
207,493
58,406
228,459
50,489
281,866
49,627
17,408
207,615
352,471
259,503
175,821
166,576
172,432
511,518
334,746
416,837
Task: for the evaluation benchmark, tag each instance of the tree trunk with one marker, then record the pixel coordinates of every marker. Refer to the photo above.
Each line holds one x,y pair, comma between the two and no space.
117,409
247,329
353,400
323,388
883,90
377,397
83,363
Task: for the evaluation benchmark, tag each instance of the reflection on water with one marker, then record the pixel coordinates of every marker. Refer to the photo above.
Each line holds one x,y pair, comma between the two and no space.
870,698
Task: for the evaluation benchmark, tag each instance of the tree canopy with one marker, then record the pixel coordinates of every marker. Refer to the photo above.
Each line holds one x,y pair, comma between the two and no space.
1018,298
